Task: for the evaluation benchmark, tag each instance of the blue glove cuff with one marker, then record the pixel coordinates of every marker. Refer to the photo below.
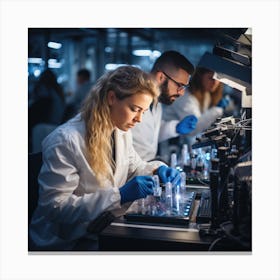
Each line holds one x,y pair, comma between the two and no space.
186,125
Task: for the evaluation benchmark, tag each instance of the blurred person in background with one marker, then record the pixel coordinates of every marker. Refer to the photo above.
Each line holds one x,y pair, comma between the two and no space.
203,99
48,104
84,84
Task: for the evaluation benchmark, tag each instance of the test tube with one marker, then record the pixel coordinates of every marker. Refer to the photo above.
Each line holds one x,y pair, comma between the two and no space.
168,198
141,206
183,179
173,160
193,161
176,181
157,188
178,198
156,180
184,155
183,187
154,210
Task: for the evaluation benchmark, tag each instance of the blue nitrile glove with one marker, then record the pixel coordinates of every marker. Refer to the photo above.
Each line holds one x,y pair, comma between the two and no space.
138,187
167,174
186,125
223,103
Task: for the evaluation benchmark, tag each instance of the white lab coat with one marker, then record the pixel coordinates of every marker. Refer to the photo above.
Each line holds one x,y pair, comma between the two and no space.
151,131
70,196
189,105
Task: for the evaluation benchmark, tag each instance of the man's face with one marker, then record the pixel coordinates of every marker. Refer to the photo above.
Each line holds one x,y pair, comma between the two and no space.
164,97
170,87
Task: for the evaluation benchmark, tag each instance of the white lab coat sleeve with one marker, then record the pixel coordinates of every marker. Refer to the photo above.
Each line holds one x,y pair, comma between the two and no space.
188,105
59,179
181,107
206,120
174,113
137,166
167,130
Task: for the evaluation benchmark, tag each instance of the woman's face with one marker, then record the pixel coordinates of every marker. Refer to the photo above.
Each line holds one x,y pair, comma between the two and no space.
209,84
127,112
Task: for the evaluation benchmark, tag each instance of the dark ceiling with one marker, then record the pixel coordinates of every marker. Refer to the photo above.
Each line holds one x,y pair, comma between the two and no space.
156,38
147,33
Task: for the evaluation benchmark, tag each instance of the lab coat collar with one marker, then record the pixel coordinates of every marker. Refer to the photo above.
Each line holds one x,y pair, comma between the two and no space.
119,157
153,105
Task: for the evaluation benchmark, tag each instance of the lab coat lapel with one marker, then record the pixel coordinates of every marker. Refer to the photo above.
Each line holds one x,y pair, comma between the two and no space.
121,157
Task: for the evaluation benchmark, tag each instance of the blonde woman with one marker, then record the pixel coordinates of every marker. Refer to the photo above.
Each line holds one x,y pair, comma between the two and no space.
89,163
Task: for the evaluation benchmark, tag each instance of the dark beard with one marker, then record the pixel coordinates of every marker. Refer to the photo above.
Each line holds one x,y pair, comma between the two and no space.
164,97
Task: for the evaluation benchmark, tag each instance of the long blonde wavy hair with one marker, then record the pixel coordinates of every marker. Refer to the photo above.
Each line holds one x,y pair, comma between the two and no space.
125,81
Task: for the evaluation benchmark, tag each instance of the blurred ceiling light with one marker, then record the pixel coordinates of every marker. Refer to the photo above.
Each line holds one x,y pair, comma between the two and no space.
150,53
53,63
156,53
54,45
62,78
37,72
142,52
113,66
108,49
37,60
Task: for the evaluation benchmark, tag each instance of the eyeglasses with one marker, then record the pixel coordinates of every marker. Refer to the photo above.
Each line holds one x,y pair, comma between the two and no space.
180,86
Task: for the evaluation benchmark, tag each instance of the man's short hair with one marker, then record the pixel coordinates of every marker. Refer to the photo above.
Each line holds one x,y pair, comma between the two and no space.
172,59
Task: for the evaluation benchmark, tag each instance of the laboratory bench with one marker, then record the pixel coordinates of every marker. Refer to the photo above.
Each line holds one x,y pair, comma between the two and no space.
121,235
126,235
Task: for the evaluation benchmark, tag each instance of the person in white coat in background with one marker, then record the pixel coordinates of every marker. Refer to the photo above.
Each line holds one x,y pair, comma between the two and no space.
204,99
90,165
171,71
